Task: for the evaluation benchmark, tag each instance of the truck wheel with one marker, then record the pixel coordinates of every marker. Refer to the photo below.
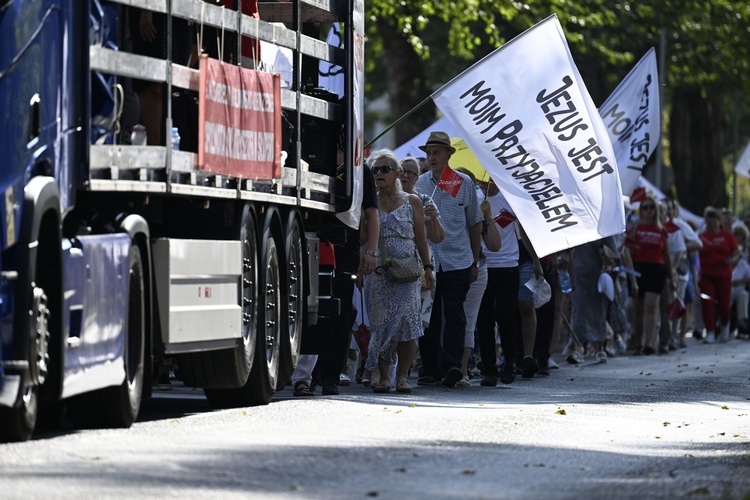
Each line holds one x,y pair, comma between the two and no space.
264,375
222,373
291,338
18,423
119,406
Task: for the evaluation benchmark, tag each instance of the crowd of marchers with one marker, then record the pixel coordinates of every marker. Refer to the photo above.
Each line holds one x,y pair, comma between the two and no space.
483,304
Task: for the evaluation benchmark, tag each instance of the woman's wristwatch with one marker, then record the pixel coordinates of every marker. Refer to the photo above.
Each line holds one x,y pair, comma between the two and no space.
430,267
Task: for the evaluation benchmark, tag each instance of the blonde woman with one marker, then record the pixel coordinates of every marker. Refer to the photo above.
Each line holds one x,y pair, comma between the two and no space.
649,248
394,308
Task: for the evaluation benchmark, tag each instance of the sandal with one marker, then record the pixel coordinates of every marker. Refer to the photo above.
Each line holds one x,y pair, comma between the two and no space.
464,382
302,389
402,385
382,386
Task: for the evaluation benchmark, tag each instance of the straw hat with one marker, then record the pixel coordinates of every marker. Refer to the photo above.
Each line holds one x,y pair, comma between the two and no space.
439,139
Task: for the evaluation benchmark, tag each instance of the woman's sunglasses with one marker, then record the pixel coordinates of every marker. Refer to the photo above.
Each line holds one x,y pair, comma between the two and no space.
384,169
648,207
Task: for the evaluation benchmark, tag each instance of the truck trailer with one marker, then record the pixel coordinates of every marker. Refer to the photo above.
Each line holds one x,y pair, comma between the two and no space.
120,251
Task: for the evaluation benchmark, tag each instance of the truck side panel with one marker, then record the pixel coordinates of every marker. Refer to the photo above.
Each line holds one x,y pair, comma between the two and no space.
95,312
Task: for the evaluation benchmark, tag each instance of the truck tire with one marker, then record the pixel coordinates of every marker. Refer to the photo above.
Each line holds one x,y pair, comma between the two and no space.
18,423
119,406
265,372
294,313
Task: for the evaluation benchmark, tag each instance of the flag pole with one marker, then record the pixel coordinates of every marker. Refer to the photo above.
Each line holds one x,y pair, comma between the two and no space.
404,117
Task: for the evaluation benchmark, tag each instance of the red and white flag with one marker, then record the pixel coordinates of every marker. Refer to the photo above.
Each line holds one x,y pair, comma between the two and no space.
450,181
504,218
638,195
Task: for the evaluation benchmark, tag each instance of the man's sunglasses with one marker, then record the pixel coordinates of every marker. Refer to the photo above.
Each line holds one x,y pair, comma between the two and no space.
384,169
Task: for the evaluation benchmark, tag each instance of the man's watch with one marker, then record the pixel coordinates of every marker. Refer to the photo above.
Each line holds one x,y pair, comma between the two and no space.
374,252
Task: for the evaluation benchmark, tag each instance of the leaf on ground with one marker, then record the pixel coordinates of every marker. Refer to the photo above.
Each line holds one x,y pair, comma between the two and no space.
657,437
561,411
413,405
665,424
372,493
468,472
725,407
703,490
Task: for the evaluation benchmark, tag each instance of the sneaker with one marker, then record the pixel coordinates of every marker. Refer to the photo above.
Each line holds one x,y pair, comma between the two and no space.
464,382
552,364
710,338
344,379
724,334
648,350
620,344
530,367
574,358
489,380
508,373
601,357
454,375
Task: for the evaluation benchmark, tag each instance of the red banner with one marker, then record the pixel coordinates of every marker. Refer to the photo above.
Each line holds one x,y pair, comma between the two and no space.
450,182
239,133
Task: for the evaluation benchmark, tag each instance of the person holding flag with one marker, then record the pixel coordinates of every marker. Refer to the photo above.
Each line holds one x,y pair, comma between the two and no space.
455,196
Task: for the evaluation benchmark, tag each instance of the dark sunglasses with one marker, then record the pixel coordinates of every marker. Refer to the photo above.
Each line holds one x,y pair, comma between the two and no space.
384,169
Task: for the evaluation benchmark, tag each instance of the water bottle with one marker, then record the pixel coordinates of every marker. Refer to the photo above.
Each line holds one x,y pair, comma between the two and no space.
564,278
175,138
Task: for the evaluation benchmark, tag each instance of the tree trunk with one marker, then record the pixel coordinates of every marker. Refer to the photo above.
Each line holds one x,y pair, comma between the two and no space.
407,83
696,137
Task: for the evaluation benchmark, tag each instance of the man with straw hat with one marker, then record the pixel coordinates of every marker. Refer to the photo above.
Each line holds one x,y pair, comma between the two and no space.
455,196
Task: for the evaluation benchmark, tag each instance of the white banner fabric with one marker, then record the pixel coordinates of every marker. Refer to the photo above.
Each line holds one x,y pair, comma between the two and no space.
743,164
525,112
631,115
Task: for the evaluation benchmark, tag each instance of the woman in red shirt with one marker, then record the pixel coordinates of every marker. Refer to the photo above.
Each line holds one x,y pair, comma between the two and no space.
718,256
649,248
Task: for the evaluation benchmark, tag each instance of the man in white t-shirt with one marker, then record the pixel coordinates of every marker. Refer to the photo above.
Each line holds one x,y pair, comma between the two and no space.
500,300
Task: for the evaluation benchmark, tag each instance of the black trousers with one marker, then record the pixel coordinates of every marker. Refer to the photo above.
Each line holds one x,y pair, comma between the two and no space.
499,306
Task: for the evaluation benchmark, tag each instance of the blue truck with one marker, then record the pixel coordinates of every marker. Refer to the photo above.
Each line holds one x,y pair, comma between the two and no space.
120,253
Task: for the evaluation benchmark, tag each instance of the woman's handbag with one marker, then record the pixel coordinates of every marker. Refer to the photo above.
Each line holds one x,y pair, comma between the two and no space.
402,270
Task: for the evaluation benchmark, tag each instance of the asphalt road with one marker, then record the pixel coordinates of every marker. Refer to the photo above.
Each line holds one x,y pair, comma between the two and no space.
637,427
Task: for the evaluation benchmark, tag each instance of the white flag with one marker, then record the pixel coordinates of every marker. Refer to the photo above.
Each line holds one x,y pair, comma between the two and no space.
743,165
528,117
631,115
